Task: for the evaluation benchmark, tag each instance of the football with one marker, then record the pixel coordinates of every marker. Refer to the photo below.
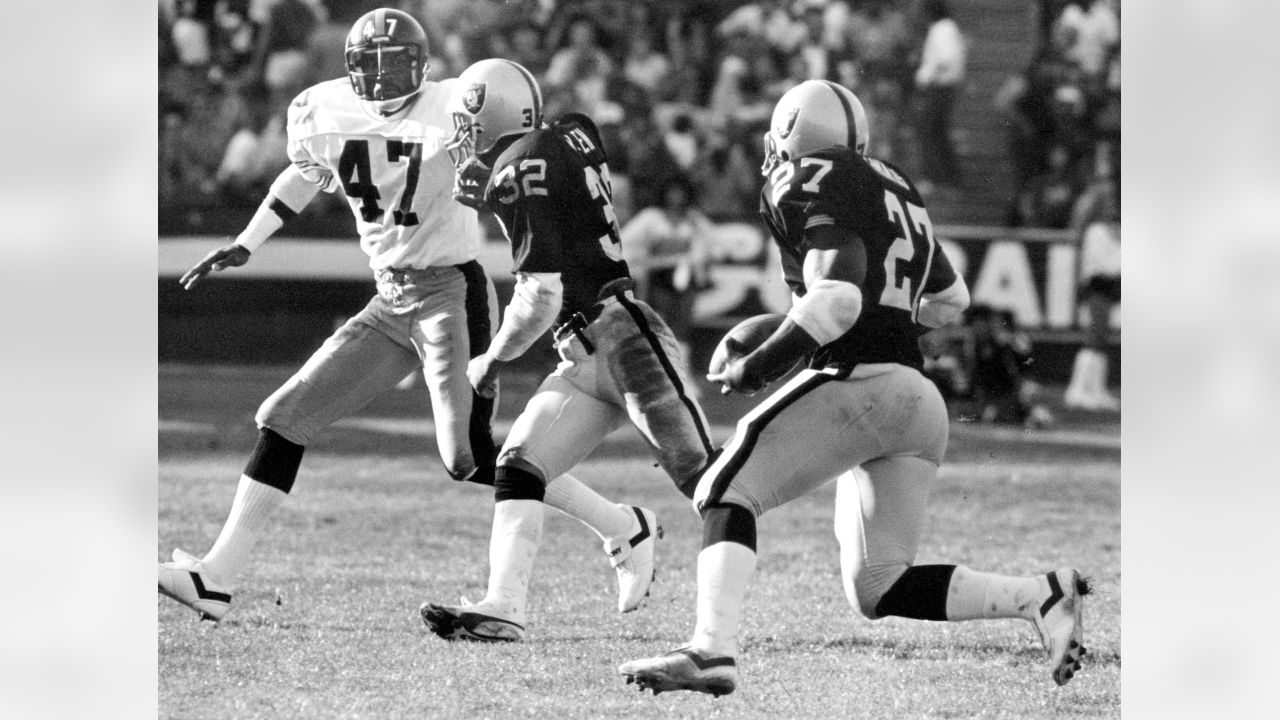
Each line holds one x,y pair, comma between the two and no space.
745,337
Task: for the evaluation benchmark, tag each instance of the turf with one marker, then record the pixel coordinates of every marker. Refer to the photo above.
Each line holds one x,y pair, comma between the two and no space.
325,624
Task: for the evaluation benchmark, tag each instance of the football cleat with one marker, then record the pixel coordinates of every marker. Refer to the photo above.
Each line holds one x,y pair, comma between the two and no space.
683,669
631,555
186,581
452,622
1058,620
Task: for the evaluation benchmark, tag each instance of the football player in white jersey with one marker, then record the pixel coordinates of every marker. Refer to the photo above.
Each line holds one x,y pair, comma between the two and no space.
868,279
378,137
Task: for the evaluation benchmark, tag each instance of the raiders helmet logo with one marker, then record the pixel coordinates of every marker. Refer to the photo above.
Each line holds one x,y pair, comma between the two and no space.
473,100
789,125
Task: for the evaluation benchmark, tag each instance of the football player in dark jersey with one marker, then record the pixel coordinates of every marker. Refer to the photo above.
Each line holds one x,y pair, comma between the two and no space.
549,188
868,278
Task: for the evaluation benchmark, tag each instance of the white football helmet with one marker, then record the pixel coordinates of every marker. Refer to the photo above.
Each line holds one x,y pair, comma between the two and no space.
492,99
813,115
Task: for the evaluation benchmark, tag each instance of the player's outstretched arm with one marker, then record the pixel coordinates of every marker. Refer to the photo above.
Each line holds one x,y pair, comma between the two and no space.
224,257
289,194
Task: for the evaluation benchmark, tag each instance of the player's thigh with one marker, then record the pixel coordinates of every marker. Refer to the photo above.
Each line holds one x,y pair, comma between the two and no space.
353,366
789,445
879,520
559,427
881,510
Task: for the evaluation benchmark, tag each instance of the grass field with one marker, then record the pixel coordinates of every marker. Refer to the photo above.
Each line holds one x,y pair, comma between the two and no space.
325,625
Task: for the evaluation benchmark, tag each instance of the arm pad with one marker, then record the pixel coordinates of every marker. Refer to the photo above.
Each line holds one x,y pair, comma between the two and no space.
938,309
290,193
828,309
530,313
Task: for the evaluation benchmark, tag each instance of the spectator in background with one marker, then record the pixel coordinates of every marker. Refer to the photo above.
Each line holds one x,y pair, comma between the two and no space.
649,164
643,65
191,30
666,249
582,58
256,153
281,59
1047,199
1100,292
998,383
879,41
234,35
727,179
526,48
682,142
938,80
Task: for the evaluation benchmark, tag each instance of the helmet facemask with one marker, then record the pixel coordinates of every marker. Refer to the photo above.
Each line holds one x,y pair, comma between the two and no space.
466,137
386,75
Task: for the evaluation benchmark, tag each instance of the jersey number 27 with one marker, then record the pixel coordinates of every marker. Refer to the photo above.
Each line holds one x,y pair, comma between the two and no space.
902,286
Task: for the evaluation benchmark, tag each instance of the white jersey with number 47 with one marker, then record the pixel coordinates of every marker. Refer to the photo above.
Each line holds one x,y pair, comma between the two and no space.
395,173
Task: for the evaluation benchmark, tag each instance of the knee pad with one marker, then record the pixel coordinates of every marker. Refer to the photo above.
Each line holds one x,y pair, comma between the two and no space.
512,482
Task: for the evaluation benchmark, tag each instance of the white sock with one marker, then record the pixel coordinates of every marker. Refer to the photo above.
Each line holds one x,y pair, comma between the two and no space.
517,532
976,595
724,571
568,495
252,510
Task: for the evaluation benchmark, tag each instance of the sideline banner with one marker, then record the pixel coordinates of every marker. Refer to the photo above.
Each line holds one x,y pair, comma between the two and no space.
1029,271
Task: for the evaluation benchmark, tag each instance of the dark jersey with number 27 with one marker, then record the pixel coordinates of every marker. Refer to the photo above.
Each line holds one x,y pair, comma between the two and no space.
876,202
551,192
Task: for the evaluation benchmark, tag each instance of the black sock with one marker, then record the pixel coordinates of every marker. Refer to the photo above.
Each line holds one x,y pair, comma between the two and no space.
274,461
724,522
921,593
513,483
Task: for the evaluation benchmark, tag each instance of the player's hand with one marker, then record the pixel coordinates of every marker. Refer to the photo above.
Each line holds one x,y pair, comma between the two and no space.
469,183
483,371
737,374
224,257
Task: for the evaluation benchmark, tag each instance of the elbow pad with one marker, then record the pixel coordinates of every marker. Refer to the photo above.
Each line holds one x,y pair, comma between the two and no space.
828,309
532,309
938,309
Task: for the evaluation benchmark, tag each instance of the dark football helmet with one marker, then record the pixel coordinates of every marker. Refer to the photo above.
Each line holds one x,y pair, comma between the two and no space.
386,57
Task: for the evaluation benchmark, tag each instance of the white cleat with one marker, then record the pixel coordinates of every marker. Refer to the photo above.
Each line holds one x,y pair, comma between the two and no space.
631,555
186,581
683,669
1058,621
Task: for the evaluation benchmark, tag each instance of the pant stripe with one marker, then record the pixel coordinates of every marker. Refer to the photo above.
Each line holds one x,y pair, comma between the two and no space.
641,322
479,333
738,450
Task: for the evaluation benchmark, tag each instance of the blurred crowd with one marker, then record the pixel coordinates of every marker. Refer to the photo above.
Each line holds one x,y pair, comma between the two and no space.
682,90
1063,116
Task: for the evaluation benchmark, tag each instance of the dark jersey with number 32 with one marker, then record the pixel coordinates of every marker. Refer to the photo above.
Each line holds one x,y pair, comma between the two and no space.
551,192
876,202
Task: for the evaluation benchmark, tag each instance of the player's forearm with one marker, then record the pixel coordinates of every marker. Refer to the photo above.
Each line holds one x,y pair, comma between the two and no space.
289,194
531,312
788,344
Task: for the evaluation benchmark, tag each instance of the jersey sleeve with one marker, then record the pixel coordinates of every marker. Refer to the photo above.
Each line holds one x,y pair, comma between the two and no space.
941,274
300,131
